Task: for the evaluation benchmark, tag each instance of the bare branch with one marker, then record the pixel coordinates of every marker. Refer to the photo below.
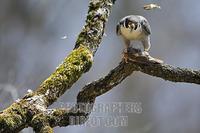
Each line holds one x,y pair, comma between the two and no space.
142,64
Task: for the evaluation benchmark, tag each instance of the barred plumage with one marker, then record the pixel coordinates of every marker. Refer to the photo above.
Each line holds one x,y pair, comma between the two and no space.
134,27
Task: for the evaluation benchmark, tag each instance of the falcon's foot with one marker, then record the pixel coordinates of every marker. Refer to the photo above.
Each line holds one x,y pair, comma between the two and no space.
128,52
137,55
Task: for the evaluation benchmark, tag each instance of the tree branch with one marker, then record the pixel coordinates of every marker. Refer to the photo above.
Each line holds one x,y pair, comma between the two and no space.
20,114
32,109
143,63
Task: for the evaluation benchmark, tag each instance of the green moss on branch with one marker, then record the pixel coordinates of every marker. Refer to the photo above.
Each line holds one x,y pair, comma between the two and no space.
77,63
20,114
14,118
92,33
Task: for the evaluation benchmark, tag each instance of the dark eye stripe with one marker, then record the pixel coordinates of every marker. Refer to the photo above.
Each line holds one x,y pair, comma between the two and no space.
126,22
136,26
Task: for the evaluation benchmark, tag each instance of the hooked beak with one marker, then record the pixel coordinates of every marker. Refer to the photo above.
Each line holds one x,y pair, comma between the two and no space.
132,27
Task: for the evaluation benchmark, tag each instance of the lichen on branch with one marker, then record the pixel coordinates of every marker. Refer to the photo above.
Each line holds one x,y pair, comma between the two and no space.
23,112
67,73
92,33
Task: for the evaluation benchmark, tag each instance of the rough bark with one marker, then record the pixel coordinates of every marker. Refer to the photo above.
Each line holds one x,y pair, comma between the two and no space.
25,112
86,97
32,110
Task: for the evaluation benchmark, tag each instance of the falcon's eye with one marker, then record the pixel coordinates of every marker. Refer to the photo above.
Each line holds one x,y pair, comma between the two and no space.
143,22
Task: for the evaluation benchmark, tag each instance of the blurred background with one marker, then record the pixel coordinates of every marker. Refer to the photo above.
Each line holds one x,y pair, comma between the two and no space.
36,35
